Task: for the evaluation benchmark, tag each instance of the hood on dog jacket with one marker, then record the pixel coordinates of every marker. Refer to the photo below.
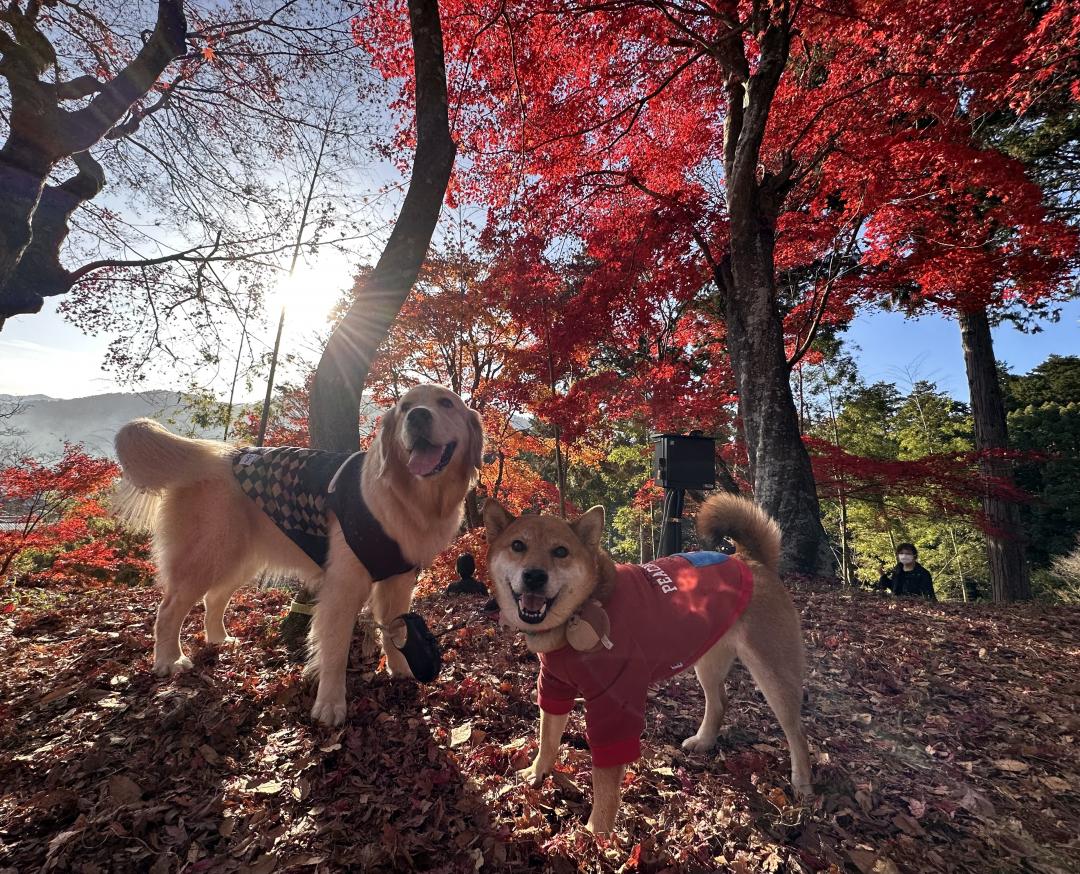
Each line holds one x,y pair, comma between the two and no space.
665,615
297,487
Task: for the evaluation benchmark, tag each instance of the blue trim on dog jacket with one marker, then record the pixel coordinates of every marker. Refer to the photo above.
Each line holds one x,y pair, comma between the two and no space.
296,488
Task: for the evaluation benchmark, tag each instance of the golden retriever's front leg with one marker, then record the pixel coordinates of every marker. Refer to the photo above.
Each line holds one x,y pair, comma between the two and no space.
607,794
344,589
389,599
551,732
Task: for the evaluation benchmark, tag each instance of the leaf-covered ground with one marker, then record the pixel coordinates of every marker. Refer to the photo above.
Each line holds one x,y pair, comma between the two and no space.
943,736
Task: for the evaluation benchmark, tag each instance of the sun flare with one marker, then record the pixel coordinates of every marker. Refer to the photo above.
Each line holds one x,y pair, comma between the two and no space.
310,293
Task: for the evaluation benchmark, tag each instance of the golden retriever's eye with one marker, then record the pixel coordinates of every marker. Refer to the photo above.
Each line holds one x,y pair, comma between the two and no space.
446,402
517,546
560,552
405,406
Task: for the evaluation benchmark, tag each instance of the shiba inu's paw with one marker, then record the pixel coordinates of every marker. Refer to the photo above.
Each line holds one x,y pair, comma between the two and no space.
329,711
228,640
698,744
167,668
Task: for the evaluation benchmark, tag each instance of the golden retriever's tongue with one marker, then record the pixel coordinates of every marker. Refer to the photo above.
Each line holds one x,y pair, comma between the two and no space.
533,603
424,459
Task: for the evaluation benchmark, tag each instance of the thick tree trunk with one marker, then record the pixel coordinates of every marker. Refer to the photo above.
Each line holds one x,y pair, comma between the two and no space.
343,368
779,463
1010,577
20,193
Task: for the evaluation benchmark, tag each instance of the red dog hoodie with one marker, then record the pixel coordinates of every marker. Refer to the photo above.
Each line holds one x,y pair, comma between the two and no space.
664,616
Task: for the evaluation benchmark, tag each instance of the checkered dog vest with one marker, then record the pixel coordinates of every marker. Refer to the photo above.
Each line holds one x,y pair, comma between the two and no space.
296,488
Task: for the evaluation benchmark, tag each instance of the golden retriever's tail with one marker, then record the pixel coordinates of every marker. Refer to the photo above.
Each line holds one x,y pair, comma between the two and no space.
754,532
154,459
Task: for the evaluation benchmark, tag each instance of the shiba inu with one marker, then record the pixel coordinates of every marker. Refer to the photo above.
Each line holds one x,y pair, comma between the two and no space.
605,632
221,514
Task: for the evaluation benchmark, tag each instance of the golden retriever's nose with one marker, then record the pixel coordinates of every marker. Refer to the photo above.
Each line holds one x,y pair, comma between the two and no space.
419,417
534,578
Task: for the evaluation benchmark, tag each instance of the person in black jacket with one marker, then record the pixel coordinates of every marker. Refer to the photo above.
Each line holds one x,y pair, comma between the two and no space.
908,577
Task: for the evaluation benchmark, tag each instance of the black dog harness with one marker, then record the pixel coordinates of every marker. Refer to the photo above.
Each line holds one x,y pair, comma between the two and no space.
297,488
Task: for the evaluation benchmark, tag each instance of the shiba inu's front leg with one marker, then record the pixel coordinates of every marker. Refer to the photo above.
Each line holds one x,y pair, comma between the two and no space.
607,794
551,732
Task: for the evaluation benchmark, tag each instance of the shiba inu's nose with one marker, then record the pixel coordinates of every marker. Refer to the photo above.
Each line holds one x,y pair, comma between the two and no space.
419,417
534,578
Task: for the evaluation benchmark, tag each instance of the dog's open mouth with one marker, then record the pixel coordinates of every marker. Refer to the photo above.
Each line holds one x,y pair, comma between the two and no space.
532,608
427,458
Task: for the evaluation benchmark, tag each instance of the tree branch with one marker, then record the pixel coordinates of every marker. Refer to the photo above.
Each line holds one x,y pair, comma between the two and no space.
168,41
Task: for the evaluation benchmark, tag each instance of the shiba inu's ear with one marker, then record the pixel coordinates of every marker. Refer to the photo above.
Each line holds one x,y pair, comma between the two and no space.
496,518
383,444
476,439
589,527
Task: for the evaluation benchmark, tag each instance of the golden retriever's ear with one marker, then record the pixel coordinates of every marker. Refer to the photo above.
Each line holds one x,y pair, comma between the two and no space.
476,439
496,518
589,527
383,444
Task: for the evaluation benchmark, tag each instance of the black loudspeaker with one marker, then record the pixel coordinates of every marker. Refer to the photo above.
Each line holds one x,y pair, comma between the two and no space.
681,462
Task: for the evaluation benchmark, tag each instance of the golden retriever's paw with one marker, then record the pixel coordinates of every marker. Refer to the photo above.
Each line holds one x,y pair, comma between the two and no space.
167,669
329,712
804,791
534,775
698,744
599,828
228,640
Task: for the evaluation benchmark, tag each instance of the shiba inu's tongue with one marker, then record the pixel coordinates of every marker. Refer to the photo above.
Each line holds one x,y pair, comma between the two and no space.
424,458
532,603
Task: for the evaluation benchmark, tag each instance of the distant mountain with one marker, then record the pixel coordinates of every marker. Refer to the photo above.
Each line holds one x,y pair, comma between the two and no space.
42,424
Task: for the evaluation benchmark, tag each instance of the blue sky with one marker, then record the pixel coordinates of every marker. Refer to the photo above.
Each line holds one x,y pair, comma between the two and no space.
929,347
43,354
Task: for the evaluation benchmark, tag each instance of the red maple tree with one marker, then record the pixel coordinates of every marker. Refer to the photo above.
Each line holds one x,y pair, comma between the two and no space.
53,514
748,152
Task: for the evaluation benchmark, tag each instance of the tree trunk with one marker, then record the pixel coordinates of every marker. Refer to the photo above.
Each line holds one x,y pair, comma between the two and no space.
779,463
33,216
474,519
343,368
334,416
1010,577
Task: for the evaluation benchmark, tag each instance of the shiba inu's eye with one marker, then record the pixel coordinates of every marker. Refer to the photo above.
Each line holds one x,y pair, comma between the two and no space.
517,546
560,552
446,402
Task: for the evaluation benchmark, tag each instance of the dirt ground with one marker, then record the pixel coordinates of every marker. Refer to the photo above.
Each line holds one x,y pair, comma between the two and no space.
944,738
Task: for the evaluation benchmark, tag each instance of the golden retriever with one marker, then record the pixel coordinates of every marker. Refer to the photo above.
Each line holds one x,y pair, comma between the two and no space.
606,632
211,535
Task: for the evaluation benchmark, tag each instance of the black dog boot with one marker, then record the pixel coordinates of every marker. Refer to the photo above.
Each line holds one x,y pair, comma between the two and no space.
421,649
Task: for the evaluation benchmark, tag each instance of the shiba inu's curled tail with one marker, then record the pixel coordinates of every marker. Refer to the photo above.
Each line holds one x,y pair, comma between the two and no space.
154,459
754,532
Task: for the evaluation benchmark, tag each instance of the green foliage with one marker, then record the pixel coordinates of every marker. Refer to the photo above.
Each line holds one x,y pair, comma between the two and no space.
1044,417
879,423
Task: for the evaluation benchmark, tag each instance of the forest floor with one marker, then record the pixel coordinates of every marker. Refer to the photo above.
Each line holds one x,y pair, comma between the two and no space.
944,738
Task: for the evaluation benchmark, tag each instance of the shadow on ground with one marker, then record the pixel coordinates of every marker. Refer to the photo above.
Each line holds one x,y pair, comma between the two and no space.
943,738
